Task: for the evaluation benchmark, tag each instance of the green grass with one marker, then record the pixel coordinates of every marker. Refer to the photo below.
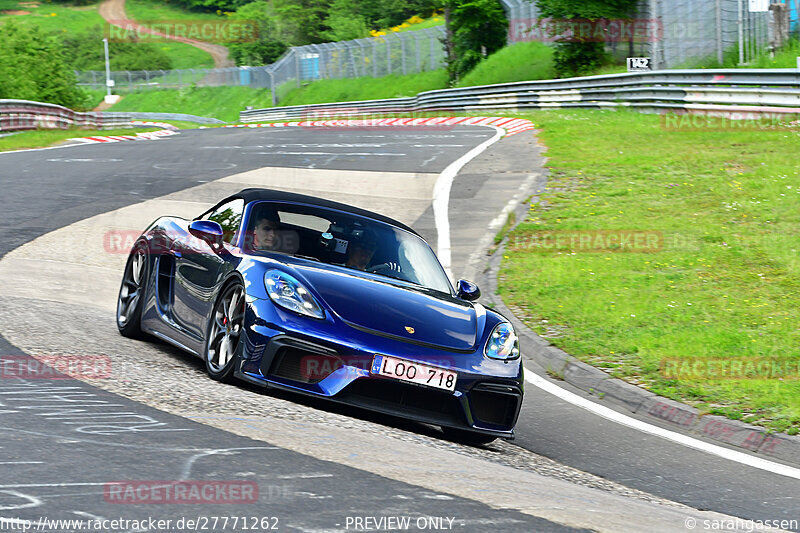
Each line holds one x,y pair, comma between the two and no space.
78,19
182,55
784,58
158,10
518,62
726,285
55,18
42,138
185,56
223,103
365,88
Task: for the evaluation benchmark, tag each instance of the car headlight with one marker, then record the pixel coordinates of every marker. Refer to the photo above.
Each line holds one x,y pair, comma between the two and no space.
290,294
503,343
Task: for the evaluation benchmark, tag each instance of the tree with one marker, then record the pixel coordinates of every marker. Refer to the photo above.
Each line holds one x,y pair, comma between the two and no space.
345,21
32,67
580,54
475,29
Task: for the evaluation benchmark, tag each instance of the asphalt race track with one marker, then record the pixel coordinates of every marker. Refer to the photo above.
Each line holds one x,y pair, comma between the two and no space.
317,467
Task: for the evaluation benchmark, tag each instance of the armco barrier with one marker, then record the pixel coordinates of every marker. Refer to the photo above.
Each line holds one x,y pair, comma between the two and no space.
742,92
19,115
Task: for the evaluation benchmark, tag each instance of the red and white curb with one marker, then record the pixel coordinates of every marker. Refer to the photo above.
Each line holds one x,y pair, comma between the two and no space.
163,125
145,136
511,126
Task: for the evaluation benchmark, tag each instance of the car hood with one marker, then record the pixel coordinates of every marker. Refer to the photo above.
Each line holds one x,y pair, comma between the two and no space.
415,316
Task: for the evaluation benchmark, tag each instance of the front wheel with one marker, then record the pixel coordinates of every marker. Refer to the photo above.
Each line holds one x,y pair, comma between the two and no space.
224,333
131,294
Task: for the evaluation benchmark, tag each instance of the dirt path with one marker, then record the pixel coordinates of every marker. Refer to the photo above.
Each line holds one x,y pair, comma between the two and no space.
113,11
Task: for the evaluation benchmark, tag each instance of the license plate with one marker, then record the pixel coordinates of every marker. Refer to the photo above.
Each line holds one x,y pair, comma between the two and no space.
404,370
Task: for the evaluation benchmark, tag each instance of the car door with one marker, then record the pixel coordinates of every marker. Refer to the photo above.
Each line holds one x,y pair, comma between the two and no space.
198,267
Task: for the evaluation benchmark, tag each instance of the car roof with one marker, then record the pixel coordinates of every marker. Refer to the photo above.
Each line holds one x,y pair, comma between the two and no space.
254,195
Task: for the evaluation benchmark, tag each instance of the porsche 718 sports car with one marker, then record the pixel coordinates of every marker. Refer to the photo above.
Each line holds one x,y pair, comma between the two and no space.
304,294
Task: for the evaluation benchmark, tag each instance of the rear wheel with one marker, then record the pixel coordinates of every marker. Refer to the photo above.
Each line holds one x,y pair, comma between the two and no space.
131,294
224,333
467,437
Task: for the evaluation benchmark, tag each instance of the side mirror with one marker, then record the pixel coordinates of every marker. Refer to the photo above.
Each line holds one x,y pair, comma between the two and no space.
207,230
468,291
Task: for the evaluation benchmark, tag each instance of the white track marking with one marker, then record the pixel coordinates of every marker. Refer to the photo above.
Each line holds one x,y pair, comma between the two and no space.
644,427
441,198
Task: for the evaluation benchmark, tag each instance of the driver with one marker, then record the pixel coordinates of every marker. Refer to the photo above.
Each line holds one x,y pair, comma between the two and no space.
265,230
361,250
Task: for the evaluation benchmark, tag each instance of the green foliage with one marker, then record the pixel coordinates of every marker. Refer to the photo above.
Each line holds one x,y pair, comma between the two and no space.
210,5
85,52
476,28
517,62
274,33
72,2
576,57
264,51
32,67
345,21
343,90
223,103
579,58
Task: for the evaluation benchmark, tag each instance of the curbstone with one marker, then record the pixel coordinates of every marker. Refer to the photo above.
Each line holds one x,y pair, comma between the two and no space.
583,376
550,358
781,446
672,412
732,432
624,394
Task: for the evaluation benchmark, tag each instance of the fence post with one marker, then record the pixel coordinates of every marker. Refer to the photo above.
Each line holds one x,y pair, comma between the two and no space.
297,66
433,51
272,87
388,55
741,33
402,53
375,57
720,55
416,49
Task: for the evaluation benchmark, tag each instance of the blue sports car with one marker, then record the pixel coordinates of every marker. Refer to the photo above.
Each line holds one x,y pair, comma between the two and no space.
304,294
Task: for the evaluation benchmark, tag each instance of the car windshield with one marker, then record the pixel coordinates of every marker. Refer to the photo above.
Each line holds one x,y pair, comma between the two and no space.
345,240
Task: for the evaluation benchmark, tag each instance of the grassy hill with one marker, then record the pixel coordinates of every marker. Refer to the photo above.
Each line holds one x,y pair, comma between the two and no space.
71,20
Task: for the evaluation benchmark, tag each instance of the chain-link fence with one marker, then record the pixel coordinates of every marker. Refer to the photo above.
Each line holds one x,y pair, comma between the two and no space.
394,53
681,33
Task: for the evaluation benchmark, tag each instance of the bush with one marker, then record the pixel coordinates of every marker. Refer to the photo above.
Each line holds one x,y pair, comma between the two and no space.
85,51
257,53
33,67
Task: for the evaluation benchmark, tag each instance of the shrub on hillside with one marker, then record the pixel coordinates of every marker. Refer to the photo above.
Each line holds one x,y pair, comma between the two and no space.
33,67
85,51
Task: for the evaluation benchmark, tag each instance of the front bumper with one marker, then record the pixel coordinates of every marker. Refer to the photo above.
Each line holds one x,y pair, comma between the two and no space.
487,398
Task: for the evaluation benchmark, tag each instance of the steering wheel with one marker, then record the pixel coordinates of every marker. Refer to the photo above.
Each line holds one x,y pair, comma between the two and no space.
385,268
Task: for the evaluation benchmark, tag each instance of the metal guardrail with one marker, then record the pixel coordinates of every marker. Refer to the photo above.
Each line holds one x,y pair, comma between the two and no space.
19,115
713,91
